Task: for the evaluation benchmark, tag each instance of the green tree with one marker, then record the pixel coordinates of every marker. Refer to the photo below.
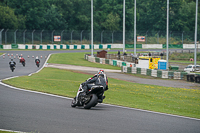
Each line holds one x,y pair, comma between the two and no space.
112,22
53,19
9,20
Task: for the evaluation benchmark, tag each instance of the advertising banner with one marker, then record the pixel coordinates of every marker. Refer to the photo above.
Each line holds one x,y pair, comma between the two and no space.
140,38
57,38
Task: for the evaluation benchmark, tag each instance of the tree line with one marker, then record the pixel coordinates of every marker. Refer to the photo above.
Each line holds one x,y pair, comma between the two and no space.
108,15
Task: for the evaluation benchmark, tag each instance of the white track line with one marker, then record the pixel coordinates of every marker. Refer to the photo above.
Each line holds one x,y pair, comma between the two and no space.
42,66
11,131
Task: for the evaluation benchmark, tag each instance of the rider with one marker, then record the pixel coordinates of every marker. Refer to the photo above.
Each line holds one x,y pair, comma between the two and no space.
98,79
37,59
21,59
12,63
105,77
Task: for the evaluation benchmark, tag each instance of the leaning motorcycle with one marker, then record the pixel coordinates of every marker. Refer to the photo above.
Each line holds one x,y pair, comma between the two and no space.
89,99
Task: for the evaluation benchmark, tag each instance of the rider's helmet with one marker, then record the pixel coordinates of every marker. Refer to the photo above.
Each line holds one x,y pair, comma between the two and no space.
36,57
100,72
11,59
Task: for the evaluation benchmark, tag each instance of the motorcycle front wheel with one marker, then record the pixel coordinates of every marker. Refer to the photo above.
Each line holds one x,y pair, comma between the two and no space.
73,104
92,102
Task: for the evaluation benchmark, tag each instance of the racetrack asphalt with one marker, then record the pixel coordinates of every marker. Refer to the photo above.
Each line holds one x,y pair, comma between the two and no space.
117,74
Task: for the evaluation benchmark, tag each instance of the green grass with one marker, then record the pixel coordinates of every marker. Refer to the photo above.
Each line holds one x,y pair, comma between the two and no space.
184,62
77,59
178,101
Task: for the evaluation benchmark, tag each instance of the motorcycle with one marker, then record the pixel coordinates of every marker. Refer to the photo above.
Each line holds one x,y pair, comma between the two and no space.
23,63
37,63
12,68
89,99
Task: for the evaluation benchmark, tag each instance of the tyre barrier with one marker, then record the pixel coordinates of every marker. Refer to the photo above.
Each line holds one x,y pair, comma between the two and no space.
193,78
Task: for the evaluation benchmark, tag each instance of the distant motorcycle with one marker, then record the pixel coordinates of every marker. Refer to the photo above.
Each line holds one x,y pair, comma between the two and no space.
23,63
12,68
37,63
90,99
22,60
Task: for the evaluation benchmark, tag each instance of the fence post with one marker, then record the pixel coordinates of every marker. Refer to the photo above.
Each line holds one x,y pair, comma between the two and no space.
6,36
158,37
52,36
24,36
71,36
15,36
61,35
182,37
81,36
112,36
170,37
146,37
32,36
41,36
1,36
102,36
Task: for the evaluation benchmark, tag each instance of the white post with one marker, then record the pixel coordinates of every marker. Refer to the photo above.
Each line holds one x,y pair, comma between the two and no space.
92,28
167,31
195,51
124,26
135,29
62,35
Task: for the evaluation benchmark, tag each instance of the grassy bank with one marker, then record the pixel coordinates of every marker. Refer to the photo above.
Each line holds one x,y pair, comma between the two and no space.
77,59
185,102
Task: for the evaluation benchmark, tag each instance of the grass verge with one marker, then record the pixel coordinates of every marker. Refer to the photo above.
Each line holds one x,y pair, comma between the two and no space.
77,59
178,101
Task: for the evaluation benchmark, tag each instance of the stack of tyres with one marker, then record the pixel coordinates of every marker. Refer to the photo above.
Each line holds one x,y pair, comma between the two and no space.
197,78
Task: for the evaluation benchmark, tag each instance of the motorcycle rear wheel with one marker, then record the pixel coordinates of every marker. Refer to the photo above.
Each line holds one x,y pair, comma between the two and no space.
92,102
